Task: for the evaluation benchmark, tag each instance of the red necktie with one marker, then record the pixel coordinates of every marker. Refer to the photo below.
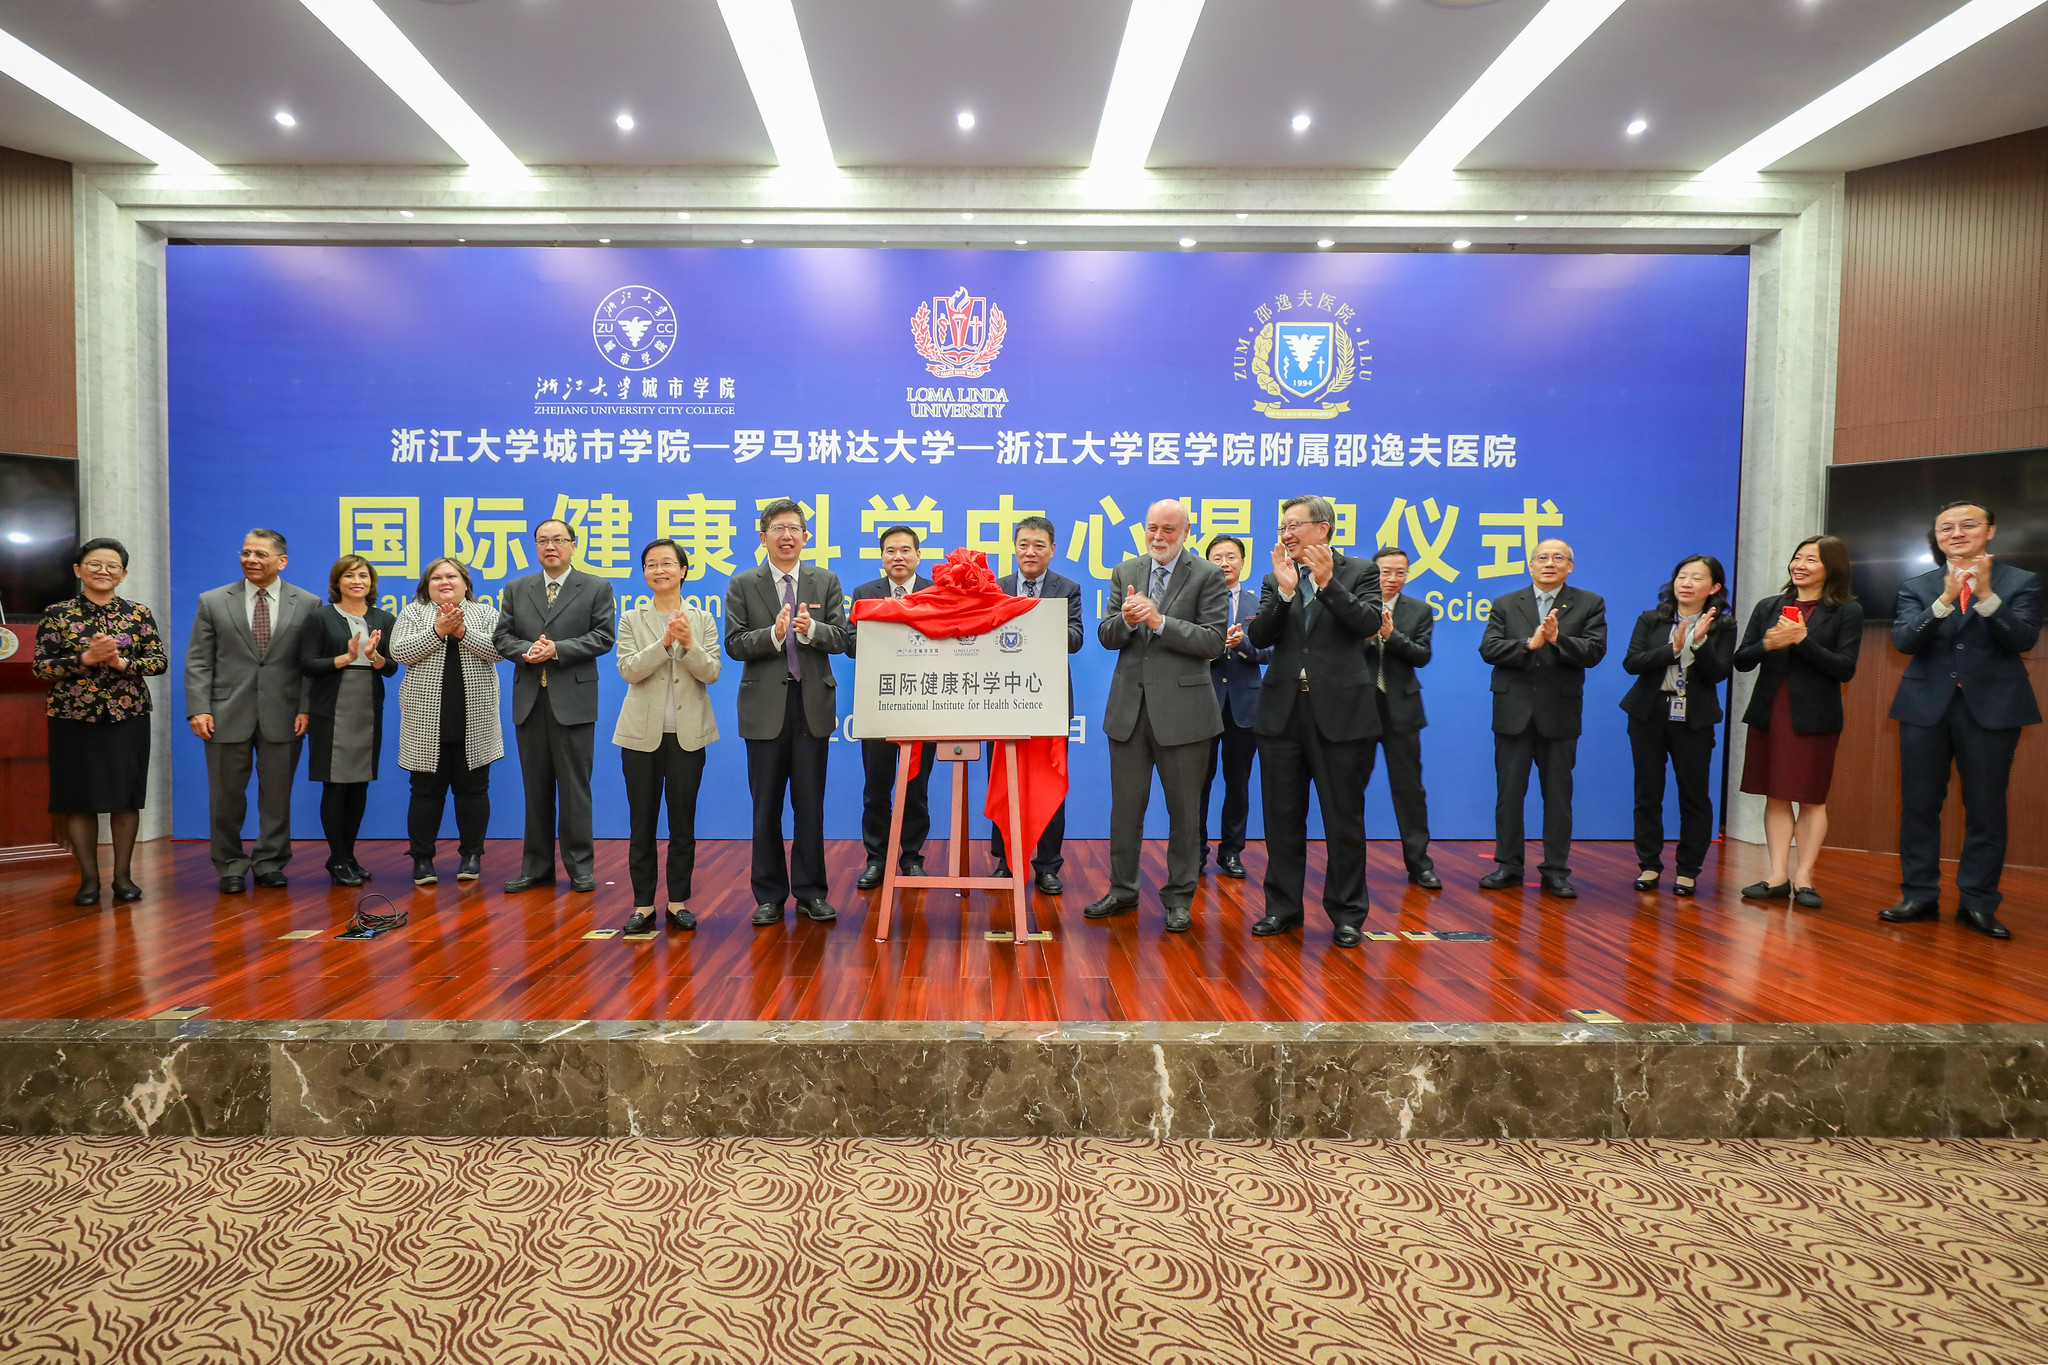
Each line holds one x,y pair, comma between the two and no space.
1963,596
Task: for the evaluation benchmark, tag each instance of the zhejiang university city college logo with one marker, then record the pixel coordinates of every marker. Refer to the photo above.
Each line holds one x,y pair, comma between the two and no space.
1302,350
634,328
958,336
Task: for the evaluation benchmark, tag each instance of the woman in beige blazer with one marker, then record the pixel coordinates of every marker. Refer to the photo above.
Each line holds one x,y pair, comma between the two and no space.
668,651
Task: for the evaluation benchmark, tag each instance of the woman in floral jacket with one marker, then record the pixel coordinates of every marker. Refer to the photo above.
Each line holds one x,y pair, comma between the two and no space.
95,649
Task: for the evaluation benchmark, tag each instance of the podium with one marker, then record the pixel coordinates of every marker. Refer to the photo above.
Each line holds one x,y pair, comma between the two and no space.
959,751
26,830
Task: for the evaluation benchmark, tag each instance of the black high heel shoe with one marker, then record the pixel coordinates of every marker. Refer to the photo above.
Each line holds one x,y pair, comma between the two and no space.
125,891
88,894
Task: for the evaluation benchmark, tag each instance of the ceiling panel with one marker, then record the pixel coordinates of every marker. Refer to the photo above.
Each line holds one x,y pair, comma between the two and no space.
893,75
1374,76
1707,77
30,123
212,73
551,78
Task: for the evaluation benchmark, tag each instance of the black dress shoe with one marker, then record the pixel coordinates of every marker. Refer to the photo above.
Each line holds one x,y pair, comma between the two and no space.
765,913
522,882
233,886
1273,924
819,909
126,891
423,873
585,884
642,922
910,867
1807,897
1050,885
88,894
1002,870
359,869
471,868
1646,880
1107,906
341,874
1232,866
1682,887
1560,887
682,920
1764,891
1178,920
1501,879
870,876
1347,936
273,880
1984,922
1427,880
1910,912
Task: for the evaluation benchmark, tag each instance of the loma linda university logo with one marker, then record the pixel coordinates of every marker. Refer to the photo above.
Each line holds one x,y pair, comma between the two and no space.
1300,359
634,328
958,336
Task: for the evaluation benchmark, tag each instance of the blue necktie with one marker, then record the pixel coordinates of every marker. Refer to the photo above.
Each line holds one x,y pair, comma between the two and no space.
796,670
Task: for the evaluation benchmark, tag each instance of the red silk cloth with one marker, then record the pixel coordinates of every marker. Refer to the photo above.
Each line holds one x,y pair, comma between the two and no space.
965,599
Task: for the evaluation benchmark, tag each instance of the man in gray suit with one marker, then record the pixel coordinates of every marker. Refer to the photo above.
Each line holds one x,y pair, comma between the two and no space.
245,696
784,620
1162,711
554,626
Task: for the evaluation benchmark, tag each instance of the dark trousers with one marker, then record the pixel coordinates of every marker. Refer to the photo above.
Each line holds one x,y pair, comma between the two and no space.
1131,765
1048,857
472,789
677,772
793,763
1554,758
1691,753
1236,747
878,798
228,766
1983,760
1288,763
554,763
341,818
1404,784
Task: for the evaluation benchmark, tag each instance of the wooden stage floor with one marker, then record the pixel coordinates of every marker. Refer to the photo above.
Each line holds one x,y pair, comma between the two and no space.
472,952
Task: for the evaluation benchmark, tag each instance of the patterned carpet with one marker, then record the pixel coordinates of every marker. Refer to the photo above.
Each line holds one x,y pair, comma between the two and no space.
487,1250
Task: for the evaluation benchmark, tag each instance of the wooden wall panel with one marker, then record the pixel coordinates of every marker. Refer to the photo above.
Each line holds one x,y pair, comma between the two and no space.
1944,350
38,318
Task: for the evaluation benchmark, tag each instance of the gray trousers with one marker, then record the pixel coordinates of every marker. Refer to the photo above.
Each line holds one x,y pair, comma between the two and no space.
1181,768
227,795
554,763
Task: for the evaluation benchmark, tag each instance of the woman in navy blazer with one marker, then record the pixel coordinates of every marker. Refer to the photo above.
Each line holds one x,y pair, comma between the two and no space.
1803,642
1681,651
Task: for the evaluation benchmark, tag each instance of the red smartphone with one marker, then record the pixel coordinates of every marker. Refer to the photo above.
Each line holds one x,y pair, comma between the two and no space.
1788,612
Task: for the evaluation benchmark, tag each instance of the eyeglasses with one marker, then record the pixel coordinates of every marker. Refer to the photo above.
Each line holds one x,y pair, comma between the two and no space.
1553,559
257,554
783,528
554,540
1966,527
98,566
1296,525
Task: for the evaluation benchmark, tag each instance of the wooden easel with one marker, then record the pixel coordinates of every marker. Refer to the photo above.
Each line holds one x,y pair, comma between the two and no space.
960,752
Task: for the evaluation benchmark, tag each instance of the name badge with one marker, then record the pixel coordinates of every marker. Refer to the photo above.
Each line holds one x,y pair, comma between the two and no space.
1677,711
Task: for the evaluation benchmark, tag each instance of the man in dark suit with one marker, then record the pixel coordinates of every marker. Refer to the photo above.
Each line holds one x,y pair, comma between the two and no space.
554,626
1396,650
901,552
245,696
1236,679
1540,640
1162,712
1317,608
784,620
1963,701
1033,540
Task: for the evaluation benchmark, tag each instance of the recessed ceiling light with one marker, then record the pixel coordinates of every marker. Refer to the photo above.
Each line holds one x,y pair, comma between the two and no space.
771,52
683,214
462,239
965,118
604,241
284,119
82,101
1187,241
625,122
1148,62
966,217
1242,216
746,241
1521,217
1325,243
405,213
1301,123
1460,244
1022,242
1637,126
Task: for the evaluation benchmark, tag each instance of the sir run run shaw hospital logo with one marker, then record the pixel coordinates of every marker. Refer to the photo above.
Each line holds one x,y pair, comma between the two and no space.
959,337
1302,349
634,327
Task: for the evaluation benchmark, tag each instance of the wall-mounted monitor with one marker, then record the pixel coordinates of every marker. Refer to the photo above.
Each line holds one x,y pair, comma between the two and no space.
38,534
1884,509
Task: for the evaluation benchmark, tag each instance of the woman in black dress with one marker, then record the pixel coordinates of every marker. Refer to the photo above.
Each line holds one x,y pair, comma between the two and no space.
341,651
1803,643
94,650
1681,651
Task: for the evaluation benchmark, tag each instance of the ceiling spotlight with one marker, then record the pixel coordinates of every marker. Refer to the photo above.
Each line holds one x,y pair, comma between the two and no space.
1022,242
746,241
1301,123
966,217
462,239
1521,217
625,122
1325,243
604,241
1242,216
1187,241
405,213
1637,126
684,214
965,118
284,119
1460,244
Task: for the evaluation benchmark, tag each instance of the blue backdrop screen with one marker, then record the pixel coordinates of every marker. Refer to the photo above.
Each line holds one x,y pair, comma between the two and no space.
405,403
